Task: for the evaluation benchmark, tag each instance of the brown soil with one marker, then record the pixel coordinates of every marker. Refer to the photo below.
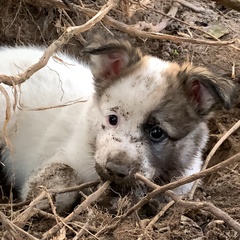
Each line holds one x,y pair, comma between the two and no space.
24,23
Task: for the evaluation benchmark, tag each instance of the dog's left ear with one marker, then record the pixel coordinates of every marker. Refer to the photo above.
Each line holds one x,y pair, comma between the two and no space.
110,58
205,90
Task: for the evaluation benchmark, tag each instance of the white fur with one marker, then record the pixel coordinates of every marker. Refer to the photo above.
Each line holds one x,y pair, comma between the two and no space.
55,135
196,165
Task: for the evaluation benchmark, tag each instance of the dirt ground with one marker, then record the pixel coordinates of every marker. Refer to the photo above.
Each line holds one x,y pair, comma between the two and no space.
39,24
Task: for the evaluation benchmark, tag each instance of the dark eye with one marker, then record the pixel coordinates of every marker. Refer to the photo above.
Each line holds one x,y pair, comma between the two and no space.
156,134
113,120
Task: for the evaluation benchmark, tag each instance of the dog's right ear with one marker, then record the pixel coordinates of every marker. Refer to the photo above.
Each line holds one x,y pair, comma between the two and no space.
110,58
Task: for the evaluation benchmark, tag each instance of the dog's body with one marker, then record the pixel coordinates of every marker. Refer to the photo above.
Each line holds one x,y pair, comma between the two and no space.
136,114
51,134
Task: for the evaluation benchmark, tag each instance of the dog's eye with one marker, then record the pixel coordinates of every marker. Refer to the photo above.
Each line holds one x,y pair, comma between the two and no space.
156,134
113,120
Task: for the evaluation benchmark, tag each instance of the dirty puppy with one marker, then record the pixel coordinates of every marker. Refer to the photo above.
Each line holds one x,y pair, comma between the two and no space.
126,112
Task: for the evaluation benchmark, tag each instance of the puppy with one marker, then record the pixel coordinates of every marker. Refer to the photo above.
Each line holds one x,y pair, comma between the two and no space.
126,113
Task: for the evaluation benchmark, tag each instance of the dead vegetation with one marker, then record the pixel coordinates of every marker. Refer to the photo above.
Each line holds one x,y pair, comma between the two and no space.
167,29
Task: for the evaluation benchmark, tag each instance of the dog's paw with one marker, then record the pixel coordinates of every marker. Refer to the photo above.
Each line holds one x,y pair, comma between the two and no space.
53,176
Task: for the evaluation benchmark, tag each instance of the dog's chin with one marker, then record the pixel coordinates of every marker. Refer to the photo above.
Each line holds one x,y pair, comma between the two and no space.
129,188
121,189
118,183
132,189
127,181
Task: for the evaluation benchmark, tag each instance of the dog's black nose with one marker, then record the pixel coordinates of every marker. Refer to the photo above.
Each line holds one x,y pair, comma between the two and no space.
117,171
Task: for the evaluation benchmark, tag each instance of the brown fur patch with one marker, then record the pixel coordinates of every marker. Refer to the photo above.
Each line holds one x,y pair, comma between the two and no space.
175,110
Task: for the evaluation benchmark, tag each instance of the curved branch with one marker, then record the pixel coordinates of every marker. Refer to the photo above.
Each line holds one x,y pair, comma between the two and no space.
63,39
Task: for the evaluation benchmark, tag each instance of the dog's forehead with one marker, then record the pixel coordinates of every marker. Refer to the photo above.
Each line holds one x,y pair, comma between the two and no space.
140,91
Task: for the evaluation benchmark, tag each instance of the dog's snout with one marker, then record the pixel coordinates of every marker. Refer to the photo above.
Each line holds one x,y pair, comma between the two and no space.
119,167
117,170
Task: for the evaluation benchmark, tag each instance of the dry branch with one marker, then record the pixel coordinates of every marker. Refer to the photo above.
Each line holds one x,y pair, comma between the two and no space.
14,205
181,21
212,152
156,218
160,214
182,181
7,117
30,211
83,230
15,231
160,36
83,206
22,218
75,188
86,227
196,205
63,39
138,33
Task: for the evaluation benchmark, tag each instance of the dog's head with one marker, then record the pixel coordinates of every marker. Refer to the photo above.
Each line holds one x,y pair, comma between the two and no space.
153,112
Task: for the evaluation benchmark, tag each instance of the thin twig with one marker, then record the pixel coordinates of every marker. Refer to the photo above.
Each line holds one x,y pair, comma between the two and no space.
217,212
22,218
83,206
84,229
160,214
69,103
223,130
89,229
14,205
7,117
14,230
155,219
53,208
75,188
212,152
